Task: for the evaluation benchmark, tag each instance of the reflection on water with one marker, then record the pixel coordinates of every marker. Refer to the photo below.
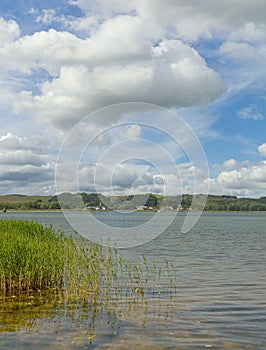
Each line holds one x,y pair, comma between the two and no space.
40,320
217,299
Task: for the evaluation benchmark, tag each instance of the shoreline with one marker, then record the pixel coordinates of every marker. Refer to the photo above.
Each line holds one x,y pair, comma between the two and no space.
128,211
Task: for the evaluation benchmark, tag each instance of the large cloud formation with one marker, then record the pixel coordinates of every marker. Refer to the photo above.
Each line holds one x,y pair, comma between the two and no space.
249,180
241,178
116,64
129,51
119,51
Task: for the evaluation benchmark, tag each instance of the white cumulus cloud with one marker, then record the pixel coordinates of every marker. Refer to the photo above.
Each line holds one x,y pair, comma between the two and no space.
171,74
262,149
9,30
249,180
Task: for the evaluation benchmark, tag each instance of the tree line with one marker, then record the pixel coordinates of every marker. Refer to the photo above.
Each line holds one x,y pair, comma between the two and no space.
148,202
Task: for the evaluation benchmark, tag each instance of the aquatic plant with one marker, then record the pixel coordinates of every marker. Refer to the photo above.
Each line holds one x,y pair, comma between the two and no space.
37,258
31,256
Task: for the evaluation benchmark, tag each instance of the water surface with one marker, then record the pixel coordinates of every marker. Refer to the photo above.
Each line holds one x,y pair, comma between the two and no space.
218,299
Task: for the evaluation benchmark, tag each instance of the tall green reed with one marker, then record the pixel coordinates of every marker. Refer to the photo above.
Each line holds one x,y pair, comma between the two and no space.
34,257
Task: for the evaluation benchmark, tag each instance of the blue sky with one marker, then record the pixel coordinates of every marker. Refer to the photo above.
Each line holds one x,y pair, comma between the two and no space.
203,62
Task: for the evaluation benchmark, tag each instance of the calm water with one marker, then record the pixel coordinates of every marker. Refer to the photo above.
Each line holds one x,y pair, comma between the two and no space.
219,299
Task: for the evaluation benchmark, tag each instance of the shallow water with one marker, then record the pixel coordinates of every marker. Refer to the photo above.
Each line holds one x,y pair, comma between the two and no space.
217,300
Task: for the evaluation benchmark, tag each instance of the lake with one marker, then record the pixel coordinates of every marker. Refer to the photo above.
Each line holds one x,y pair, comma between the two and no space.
217,298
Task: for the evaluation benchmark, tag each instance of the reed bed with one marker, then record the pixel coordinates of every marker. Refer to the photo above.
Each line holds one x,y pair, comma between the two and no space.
37,258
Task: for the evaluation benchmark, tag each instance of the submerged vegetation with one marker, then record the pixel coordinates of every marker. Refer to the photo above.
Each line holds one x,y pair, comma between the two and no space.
37,258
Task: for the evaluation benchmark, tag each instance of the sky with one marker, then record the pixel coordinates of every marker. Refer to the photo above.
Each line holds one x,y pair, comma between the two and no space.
137,96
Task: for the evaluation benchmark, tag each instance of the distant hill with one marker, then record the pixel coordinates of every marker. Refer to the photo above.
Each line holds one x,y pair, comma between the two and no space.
142,202
23,202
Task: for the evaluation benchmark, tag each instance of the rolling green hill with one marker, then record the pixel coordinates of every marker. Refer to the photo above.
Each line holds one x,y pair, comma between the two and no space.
94,201
23,202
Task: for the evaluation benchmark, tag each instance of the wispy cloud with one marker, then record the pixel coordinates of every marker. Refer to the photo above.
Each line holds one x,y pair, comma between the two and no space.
251,112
